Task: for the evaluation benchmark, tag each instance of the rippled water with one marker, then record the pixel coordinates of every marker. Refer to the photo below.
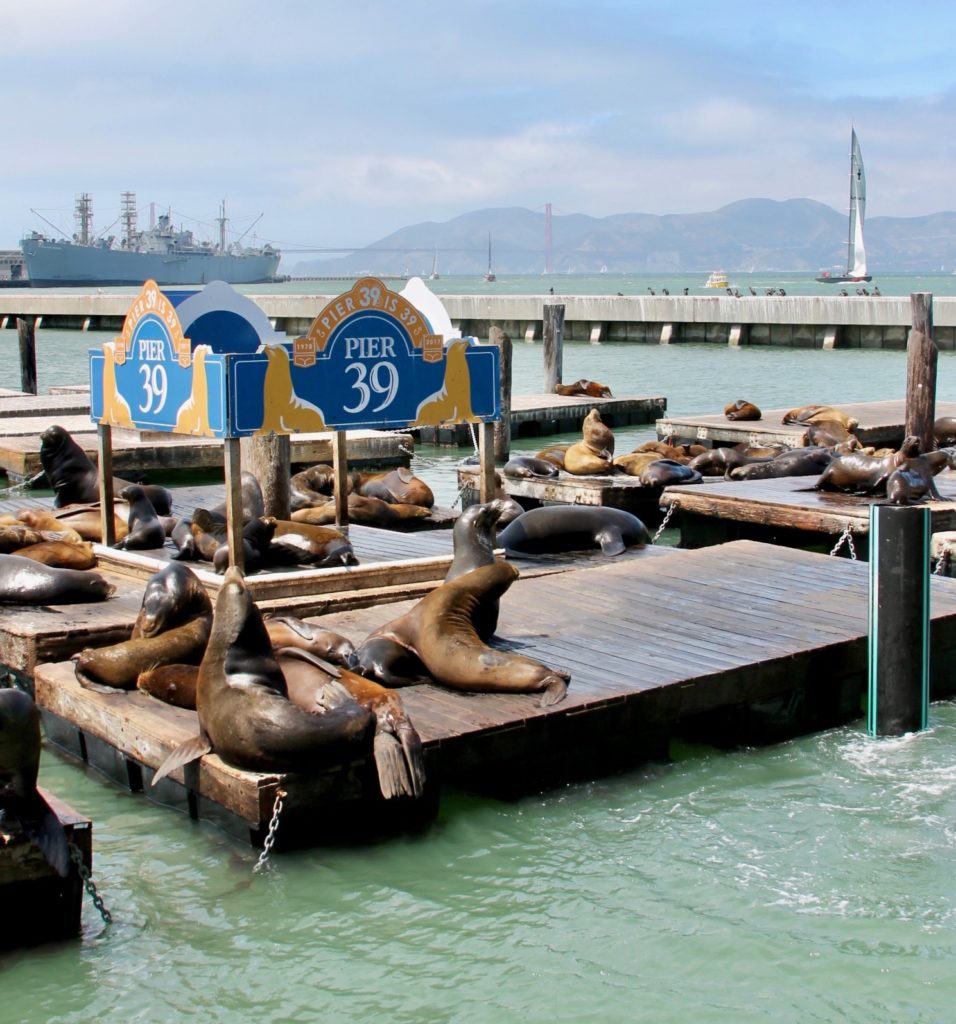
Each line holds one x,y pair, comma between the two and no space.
808,881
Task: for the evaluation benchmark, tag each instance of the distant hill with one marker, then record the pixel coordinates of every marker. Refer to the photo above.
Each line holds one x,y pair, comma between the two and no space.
752,234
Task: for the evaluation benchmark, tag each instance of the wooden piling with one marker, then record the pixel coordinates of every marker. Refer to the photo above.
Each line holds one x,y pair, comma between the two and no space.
553,333
267,459
501,339
26,335
921,358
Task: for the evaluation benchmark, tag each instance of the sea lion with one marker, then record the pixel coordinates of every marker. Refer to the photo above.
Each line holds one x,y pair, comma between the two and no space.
554,453
146,531
439,633
857,473
365,511
283,411
396,486
529,467
829,434
208,533
663,472
634,463
741,410
794,462
14,536
944,430
28,582
719,461
75,479
61,554
311,487
256,541
396,745
912,480
172,684
77,522
182,537
172,627
305,544
243,707
473,540
593,453
21,804
288,631
819,414
552,529
584,388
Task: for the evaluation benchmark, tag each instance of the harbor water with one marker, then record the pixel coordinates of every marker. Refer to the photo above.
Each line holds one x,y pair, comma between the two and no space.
807,881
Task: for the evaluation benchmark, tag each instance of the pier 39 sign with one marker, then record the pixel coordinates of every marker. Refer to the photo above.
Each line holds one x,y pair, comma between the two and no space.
369,361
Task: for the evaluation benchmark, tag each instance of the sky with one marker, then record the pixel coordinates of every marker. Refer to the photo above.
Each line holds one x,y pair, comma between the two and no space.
342,122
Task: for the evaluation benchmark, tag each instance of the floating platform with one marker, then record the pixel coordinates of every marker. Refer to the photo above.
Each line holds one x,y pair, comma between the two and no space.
38,905
785,511
721,644
546,415
881,425
18,403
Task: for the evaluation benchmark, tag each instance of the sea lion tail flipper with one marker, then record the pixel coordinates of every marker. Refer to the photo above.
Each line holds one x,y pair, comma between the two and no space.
414,755
188,751
393,778
556,690
332,695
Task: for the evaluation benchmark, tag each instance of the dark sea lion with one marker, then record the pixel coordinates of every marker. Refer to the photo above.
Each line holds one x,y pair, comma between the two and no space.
473,539
146,530
439,632
912,480
794,462
172,684
719,461
944,430
288,631
74,477
208,533
396,745
311,487
320,547
552,529
172,627
741,410
256,541
584,388
182,537
21,805
28,582
529,467
396,486
243,707
858,473
61,554
663,472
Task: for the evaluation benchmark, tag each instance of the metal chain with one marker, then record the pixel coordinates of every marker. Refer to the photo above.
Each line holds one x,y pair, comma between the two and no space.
664,521
942,560
847,536
76,855
271,834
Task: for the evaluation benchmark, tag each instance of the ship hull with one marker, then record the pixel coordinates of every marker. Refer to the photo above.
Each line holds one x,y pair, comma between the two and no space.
51,263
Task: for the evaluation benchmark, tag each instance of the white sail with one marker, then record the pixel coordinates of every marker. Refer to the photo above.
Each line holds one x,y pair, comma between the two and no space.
856,254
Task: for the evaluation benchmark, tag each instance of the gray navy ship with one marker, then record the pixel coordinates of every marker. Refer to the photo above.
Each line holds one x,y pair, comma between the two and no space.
160,253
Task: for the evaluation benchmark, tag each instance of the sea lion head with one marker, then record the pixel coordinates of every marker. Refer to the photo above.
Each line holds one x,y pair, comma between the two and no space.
172,596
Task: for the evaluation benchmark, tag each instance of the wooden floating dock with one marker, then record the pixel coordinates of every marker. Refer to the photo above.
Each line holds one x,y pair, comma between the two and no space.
18,404
881,425
38,905
721,643
545,415
785,511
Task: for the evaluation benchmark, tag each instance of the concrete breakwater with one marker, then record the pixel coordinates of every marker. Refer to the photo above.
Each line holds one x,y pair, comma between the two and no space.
801,321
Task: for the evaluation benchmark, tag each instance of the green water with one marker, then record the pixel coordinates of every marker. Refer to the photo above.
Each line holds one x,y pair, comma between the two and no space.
809,881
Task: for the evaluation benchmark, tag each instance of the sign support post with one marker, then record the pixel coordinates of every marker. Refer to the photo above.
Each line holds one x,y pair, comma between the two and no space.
340,474
486,457
232,464
104,460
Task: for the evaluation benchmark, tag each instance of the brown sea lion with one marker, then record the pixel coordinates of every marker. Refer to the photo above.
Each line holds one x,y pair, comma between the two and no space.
396,486
554,453
61,554
829,434
13,537
83,520
172,627
529,467
365,511
172,684
912,480
584,388
396,745
439,633
311,487
288,631
28,582
75,479
819,414
741,410
243,707
146,531
50,527
298,543
22,807
634,463
857,473
676,452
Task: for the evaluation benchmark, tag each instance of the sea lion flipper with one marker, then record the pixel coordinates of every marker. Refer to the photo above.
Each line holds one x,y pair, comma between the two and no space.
297,652
555,692
188,751
611,541
393,777
414,756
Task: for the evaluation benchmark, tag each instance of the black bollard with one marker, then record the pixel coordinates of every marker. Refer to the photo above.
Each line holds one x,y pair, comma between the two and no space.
898,699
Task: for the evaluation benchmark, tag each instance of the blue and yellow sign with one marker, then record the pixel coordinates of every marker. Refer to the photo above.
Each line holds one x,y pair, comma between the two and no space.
150,377
369,360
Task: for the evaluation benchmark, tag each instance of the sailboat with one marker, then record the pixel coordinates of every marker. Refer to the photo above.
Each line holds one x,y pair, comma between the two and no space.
856,254
434,275
490,276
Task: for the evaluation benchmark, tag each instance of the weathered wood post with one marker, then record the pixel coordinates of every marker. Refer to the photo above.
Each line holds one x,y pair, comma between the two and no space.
232,463
921,358
486,473
104,459
340,474
899,620
28,356
553,333
502,340
267,459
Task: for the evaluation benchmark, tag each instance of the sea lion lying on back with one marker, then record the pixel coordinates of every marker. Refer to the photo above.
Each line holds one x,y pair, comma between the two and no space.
584,388
819,414
741,410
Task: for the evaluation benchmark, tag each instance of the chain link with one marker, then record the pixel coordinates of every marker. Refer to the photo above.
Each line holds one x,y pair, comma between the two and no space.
846,536
664,521
271,834
76,855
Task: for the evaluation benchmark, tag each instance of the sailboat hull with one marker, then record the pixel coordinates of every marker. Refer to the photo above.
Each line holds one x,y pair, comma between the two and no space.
842,279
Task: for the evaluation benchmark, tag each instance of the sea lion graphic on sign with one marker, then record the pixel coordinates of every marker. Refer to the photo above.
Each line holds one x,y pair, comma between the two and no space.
116,410
283,411
193,414
452,402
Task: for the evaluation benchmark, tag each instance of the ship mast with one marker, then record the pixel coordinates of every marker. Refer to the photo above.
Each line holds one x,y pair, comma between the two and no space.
84,218
222,226
128,217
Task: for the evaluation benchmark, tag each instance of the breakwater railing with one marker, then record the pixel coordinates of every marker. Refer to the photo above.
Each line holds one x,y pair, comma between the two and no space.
803,321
